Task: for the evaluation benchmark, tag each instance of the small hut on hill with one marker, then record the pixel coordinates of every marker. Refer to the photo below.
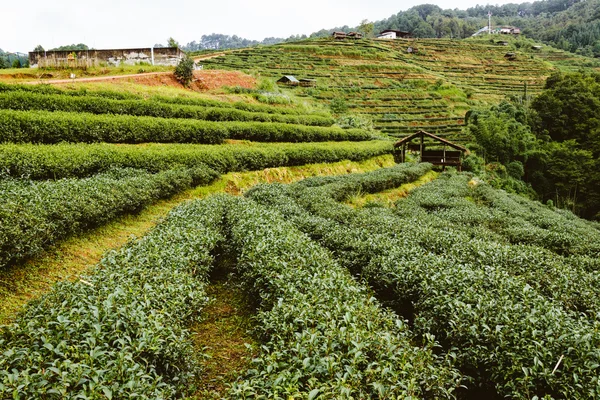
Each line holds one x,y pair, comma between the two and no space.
393,34
434,151
288,80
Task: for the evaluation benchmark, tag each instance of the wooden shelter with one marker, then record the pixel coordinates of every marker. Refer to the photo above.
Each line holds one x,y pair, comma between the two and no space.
308,82
354,35
436,156
289,80
338,35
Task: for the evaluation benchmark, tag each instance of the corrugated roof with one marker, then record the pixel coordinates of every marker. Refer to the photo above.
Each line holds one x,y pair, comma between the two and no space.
291,78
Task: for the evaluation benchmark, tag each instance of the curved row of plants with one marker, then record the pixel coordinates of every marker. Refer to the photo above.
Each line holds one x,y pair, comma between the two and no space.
191,101
322,333
55,127
80,160
24,101
119,332
35,215
507,334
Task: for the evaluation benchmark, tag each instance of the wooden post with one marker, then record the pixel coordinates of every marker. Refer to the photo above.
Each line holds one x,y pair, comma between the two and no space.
421,149
444,158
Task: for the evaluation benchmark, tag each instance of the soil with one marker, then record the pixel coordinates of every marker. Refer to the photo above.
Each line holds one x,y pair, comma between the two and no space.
203,80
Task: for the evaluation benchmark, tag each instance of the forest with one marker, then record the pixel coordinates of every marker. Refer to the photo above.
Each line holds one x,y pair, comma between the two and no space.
551,142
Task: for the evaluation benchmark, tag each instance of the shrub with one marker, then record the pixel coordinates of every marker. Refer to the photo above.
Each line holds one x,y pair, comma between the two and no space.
121,331
35,215
184,72
82,160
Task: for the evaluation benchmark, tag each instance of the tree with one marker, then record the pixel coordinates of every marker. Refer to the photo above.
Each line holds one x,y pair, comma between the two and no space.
366,28
16,63
69,47
172,42
38,48
184,72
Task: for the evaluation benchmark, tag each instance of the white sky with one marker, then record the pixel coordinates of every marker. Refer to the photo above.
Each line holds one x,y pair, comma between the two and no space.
142,23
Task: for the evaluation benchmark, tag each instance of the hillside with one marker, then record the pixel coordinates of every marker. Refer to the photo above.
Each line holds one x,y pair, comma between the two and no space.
406,84
569,25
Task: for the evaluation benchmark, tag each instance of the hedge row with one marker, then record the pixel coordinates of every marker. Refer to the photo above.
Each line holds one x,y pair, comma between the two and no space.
323,335
80,160
121,331
506,333
24,101
34,215
200,102
55,127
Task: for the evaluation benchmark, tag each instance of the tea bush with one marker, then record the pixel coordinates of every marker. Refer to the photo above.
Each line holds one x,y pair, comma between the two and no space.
34,215
55,127
323,334
119,332
80,160
24,101
507,312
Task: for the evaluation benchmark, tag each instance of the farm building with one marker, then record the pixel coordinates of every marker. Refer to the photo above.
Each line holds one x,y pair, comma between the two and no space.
433,151
288,80
393,34
308,82
114,57
339,35
354,35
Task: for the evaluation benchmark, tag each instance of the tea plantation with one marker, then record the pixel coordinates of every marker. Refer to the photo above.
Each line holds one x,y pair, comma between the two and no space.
456,291
404,84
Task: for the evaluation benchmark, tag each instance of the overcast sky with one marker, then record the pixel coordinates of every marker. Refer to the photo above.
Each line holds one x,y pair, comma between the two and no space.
137,23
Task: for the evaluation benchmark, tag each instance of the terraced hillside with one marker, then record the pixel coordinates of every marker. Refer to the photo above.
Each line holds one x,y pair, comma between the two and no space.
72,160
403,85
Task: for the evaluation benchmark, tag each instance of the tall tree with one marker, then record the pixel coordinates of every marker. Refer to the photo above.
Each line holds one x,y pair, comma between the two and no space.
366,28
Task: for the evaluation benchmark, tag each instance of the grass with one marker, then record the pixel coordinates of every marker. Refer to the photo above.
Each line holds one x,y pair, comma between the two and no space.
389,197
20,74
22,283
223,337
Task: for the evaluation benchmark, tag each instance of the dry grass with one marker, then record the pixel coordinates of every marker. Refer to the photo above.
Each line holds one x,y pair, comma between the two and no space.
389,197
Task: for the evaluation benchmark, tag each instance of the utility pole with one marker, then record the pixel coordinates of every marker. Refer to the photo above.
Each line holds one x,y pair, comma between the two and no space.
489,22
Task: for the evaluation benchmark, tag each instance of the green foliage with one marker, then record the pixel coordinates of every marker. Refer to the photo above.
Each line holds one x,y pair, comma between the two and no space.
184,71
81,160
38,48
20,100
442,260
566,115
263,96
16,63
55,127
473,163
316,320
200,102
502,132
366,28
69,47
120,332
338,105
35,215
515,169
355,121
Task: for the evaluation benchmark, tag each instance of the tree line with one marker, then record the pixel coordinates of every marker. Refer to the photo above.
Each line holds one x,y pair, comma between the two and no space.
552,142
